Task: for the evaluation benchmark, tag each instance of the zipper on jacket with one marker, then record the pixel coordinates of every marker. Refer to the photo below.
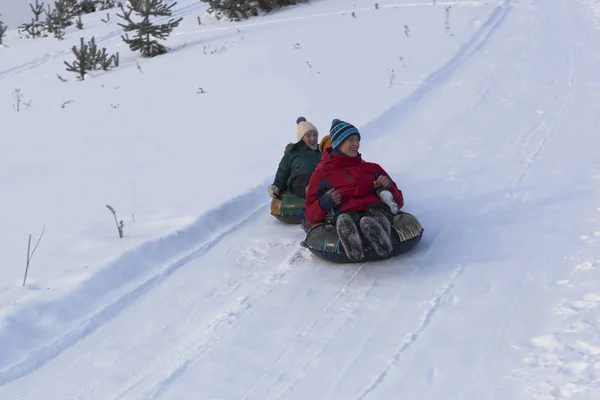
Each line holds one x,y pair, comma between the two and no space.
348,176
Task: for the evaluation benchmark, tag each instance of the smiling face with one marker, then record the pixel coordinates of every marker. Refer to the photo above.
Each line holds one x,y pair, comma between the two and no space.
350,146
311,139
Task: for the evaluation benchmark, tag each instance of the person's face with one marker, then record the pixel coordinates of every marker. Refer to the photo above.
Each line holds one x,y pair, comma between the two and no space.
311,139
350,146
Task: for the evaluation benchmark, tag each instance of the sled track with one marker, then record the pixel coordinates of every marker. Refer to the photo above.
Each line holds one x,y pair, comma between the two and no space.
552,127
54,55
308,328
402,110
433,305
42,346
228,315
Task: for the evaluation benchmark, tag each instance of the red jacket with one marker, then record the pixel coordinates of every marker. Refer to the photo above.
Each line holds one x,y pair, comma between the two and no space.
353,177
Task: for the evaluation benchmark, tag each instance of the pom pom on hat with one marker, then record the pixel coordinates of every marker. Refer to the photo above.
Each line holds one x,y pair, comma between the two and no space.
304,127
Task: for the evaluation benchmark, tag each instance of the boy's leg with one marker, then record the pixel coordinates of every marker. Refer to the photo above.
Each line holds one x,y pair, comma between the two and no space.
347,229
382,214
376,235
376,226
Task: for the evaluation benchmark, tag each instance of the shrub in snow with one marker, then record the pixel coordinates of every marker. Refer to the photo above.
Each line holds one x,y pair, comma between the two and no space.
147,33
241,9
60,18
89,57
2,31
18,96
56,19
90,6
64,11
35,27
87,6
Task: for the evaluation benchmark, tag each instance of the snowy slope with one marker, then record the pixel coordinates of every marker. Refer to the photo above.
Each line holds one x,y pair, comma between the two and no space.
490,127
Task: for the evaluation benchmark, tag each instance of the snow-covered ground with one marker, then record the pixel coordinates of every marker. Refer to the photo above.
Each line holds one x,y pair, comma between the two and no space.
489,123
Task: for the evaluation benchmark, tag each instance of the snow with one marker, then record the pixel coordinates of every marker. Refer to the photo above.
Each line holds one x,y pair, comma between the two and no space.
488,124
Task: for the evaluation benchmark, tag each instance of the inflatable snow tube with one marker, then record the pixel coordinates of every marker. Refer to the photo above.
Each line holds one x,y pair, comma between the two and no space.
323,241
289,209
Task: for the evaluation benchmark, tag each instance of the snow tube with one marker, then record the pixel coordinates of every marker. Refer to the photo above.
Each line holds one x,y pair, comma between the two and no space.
323,241
289,209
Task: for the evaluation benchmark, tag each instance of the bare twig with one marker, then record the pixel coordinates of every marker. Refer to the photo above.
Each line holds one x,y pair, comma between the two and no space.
120,224
27,264
30,256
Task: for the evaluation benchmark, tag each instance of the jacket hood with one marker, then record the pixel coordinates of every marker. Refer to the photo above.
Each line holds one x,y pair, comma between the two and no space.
298,146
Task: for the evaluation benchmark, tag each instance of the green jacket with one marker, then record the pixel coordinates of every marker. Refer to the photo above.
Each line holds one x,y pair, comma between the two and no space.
298,159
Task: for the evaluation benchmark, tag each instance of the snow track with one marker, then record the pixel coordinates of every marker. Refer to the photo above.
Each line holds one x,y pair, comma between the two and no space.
129,277
402,109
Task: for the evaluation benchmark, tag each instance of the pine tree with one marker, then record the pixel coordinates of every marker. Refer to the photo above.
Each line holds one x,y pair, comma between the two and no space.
35,27
144,39
60,18
2,31
89,57
63,12
83,62
87,6
242,9
107,4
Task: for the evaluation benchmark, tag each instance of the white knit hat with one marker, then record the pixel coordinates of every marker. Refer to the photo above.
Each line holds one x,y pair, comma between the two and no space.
304,127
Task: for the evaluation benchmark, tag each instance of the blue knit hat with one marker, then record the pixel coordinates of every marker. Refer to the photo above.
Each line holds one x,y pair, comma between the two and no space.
340,131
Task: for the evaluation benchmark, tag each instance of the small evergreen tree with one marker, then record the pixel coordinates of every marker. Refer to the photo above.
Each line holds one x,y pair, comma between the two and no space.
90,6
82,64
87,6
107,4
35,27
89,57
145,39
242,9
2,31
60,18
63,13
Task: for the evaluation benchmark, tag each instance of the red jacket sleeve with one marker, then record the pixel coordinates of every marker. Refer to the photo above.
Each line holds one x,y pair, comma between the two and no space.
396,192
314,212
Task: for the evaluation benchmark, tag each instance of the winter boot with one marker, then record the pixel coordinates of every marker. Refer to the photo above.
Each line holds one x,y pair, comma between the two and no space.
388,198
376,235
379,215
350,237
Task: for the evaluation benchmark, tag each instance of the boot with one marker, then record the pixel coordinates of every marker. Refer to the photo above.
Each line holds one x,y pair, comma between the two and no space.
350,237
381,218
376,235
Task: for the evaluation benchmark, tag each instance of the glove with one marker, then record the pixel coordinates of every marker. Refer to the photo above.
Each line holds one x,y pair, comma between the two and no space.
331,217
326,202
274,191
388,198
